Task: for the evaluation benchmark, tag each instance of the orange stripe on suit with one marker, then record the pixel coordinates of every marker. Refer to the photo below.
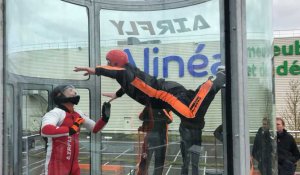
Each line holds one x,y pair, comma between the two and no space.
197,101
110,67
188,112
165,96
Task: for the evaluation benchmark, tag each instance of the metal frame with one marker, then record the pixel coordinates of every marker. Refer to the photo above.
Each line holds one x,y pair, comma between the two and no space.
18,98
236,124
2,83
238,151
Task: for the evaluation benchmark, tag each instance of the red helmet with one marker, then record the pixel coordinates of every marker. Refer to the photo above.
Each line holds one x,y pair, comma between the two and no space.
117,58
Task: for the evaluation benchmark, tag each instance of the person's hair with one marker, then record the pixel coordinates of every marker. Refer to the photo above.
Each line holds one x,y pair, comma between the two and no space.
266,119
281,119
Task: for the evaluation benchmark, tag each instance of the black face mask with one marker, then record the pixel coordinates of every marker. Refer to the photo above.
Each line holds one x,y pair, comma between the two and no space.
73,100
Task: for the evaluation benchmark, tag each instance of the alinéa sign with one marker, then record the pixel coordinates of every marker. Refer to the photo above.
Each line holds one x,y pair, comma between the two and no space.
290,66
198,64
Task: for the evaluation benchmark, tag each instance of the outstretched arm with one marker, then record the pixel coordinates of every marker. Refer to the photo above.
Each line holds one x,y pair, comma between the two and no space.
88,70
111,95
104,119
114,96
107,71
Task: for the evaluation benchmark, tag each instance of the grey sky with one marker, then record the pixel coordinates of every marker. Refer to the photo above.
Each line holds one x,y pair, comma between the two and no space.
286,15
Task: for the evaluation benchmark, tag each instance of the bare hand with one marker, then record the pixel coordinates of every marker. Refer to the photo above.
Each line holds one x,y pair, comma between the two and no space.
111,95
89,70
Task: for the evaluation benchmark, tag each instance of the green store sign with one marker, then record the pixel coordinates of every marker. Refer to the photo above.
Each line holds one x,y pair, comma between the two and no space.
286,68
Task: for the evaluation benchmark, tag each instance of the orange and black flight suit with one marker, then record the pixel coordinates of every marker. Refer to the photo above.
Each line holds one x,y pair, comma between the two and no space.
155,125
145,89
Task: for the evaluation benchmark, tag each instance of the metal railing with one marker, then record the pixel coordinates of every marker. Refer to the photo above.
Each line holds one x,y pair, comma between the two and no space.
46,46
286,33
27,147
25,140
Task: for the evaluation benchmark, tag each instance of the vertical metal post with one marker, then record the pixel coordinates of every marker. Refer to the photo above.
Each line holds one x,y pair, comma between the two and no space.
2,84
223,95
27,155
93,10
237,129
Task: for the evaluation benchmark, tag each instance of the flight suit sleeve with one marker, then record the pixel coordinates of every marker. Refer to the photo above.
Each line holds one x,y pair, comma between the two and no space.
109,71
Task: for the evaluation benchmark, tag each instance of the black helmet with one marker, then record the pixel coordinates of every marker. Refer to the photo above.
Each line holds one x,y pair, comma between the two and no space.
59,97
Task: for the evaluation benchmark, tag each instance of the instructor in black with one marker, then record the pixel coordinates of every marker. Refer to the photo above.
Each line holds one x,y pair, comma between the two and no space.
155,125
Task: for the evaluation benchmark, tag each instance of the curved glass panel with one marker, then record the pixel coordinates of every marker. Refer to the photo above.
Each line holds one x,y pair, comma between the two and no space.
260,86
43,42
180,45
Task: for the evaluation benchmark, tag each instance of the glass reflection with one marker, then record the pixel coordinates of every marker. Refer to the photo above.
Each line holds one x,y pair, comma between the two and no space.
260,85
174,45
42,42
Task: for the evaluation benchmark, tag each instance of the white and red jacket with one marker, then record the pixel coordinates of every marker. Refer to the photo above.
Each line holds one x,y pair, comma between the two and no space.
63,149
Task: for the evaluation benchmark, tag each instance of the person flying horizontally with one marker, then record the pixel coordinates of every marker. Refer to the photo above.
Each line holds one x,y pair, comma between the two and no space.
159,93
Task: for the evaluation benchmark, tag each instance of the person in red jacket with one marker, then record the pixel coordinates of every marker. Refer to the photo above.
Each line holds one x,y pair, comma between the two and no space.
62,125
189,105
155,125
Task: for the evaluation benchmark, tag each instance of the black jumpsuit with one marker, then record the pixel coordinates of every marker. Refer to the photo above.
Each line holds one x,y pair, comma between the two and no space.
262,151
189,105
155,124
